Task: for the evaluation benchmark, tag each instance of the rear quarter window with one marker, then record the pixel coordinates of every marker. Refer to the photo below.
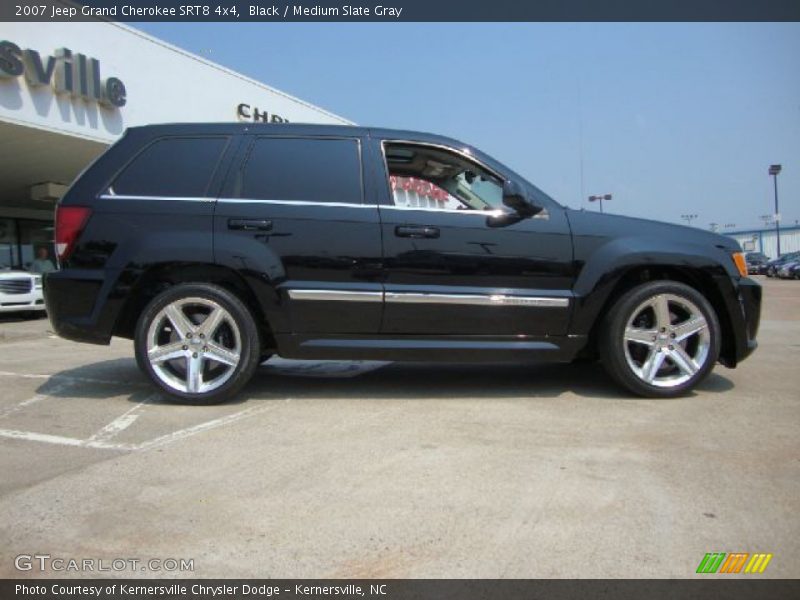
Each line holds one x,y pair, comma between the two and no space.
302,169
172,167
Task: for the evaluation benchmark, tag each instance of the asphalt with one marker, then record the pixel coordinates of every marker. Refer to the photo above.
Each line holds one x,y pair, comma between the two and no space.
340,469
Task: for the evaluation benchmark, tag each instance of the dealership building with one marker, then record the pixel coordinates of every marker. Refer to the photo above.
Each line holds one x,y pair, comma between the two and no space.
68,90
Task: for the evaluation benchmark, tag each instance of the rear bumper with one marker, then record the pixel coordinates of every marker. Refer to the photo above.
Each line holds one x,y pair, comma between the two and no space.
73,300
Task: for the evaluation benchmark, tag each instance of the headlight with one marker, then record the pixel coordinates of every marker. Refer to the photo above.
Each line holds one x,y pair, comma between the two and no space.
37,282
741,263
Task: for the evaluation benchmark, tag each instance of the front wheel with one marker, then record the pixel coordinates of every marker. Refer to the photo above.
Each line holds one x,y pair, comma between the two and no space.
660,339
198,343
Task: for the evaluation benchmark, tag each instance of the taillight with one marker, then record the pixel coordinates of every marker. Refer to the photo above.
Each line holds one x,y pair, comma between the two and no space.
70,221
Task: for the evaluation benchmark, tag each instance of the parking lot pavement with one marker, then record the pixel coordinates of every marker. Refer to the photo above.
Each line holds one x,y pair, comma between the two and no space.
400,470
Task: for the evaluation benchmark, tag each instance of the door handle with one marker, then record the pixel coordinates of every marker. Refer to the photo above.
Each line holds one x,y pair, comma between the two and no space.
415,231
249,224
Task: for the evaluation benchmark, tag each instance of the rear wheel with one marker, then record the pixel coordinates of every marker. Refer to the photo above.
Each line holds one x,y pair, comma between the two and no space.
660,339
198,343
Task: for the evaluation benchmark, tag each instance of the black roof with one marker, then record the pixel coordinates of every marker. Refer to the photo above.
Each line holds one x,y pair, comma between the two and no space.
295,129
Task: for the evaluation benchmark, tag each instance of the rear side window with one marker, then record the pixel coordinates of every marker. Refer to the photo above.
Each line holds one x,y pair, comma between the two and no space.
174,167
296,169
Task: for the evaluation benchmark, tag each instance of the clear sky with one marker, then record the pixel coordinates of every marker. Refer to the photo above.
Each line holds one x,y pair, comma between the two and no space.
671,119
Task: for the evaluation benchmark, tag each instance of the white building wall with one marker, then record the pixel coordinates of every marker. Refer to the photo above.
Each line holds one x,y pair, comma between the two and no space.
163,84
765,241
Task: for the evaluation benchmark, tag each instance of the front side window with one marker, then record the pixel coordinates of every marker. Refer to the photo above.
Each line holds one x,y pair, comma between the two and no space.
171,167
302,169
431,177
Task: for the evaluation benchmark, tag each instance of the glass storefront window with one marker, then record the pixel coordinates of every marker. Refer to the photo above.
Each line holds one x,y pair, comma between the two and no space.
36,246
9,248
26,244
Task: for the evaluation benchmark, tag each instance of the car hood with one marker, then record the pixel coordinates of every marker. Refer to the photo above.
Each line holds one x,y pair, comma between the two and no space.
618,226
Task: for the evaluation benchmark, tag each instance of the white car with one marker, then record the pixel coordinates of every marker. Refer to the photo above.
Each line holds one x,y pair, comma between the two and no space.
20,291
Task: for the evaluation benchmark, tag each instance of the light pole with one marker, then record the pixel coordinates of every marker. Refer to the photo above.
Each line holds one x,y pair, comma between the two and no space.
688,218
774,170
713,227
600,198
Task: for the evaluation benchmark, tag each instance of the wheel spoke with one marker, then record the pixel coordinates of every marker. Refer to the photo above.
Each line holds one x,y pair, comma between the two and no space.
212,322
661,309
222,355
180,323
640,336
161,354
689,328
651,365
194,373
683,361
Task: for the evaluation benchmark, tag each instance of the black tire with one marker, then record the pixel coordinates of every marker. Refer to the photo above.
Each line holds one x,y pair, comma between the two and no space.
613,347
249,354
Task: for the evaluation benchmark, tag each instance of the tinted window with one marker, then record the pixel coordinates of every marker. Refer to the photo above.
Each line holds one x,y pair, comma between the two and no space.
318,170
171,167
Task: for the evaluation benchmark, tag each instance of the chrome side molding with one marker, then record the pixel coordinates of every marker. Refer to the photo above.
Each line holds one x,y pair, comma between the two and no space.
428,298
335,295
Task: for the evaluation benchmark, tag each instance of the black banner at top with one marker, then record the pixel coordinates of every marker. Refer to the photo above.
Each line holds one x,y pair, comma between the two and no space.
401,10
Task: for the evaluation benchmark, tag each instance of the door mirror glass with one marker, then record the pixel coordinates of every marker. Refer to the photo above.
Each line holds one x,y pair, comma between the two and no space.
515,197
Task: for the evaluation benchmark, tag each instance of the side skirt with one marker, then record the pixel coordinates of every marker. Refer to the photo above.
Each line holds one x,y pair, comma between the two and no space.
430,348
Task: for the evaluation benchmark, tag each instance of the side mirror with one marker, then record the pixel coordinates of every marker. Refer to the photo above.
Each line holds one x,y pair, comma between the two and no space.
514,197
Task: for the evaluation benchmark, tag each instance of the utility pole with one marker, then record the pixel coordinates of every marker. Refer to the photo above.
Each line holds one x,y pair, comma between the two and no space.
774,170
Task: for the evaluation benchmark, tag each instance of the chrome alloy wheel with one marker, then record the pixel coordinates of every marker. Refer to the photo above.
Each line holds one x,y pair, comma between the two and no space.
193,345
667,340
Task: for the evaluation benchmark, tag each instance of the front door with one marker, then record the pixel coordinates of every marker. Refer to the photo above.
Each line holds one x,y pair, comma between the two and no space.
454,265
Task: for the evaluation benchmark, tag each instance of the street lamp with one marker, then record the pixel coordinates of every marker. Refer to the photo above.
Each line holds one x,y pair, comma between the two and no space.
774,170
713,226
688,218
600,198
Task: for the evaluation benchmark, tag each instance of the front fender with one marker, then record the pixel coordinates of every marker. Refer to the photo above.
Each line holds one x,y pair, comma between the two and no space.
601,270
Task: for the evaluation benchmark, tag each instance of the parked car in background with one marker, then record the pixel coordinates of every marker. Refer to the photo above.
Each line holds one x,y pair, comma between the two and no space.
795,271
21,291
787,270
756,262
771,268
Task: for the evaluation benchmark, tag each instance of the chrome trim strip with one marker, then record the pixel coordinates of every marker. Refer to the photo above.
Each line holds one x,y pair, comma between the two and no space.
294,202
471,212
462,152
181,198
476,299
335,295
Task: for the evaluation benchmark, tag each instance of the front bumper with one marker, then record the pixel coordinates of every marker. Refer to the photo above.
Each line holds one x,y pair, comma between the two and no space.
744,310
21,302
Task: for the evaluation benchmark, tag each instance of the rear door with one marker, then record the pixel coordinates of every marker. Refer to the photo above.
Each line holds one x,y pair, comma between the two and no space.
293,219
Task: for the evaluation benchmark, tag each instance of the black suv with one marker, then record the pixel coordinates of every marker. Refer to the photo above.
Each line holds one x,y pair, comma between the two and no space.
214,246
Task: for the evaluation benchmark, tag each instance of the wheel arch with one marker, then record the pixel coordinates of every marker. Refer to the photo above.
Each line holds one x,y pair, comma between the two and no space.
159,277
703,280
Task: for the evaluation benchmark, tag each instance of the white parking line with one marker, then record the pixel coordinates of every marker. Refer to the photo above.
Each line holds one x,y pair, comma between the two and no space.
102,444
57,389
208,425
122,422
71,378
32,436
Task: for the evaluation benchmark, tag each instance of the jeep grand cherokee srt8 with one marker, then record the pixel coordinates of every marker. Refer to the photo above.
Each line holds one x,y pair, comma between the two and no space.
214,246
